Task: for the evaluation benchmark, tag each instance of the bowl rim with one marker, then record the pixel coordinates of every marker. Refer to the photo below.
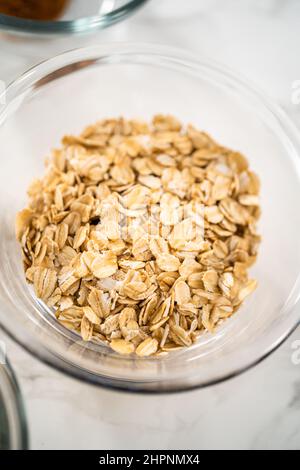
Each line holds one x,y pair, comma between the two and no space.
18,435
291,133
76,26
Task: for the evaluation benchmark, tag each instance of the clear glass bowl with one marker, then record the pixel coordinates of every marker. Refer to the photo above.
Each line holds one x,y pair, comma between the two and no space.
13,427
64,94
79,16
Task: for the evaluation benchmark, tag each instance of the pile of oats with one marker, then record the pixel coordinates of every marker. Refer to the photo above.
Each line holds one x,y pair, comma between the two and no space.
140,235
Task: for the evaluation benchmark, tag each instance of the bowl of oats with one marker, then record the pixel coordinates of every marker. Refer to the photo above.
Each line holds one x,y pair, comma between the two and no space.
149,237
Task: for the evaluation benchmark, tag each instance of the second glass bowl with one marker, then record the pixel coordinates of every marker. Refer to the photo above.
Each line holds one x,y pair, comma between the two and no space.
63,95
79,16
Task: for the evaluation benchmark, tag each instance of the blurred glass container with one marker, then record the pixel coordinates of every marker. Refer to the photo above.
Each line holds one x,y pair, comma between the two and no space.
79,16
13,427
64,94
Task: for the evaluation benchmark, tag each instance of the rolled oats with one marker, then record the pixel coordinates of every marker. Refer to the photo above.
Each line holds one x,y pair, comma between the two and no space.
147,347
122,346
141,236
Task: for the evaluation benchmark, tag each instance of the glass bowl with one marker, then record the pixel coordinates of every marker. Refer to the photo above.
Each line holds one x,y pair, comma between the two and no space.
78,17
13,427
64,94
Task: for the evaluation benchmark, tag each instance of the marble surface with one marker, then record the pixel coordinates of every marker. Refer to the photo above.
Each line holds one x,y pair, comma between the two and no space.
259,409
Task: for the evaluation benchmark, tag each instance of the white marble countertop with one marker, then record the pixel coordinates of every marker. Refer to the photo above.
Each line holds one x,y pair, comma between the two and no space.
261,408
